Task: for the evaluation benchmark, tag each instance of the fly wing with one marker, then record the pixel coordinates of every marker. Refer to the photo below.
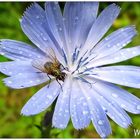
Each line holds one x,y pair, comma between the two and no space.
39,64
51,55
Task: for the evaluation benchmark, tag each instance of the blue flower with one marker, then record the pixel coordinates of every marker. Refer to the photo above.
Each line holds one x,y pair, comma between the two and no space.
71,52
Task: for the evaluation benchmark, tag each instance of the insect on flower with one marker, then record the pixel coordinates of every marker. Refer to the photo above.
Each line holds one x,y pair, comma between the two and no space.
70,49
52,67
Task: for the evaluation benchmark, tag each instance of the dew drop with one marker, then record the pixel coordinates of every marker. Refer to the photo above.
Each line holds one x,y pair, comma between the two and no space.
108,45
103,135
38,80
2,53
106,39
84,104
133,52
122,105
124,123
85,112
118,44
64,19
20,52
138,107
37,16
10,72
76,18
44,38
114,95
4,69
10,82
60,114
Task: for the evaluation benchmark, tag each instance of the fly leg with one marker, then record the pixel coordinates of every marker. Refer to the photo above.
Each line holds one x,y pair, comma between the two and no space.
49,81
59,84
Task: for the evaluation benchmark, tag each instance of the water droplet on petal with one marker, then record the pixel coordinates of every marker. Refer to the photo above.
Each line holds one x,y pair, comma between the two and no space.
4,69
114,95
85,112
123,106
138,107
100,122
124,123
76,18
103,135
10,72
37,16
10,82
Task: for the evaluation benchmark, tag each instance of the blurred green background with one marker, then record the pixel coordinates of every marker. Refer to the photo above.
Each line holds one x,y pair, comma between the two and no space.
14,125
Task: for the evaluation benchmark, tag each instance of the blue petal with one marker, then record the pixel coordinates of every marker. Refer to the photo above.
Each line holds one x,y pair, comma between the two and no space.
113,110
34,25
24,80
124,99
17,50
98,116
41,100
61,114
114,41
122,75
79,17
79,110
119,56
55,22
100,27
16,67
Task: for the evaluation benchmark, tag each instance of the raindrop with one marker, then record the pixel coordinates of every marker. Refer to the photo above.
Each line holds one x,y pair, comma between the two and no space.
10,82
10,72
60,114
20,52
85,112
37,16
76,18
138,107
49,96
84,104
103,135
118,44
124,123
60,29
114,95
64,19
66,111
108,45
31,81
124,44
2,53
4,69
44,38
106,39
133,52
38,80
122,105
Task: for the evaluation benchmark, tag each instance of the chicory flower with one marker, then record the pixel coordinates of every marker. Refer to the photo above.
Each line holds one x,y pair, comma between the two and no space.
69,49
